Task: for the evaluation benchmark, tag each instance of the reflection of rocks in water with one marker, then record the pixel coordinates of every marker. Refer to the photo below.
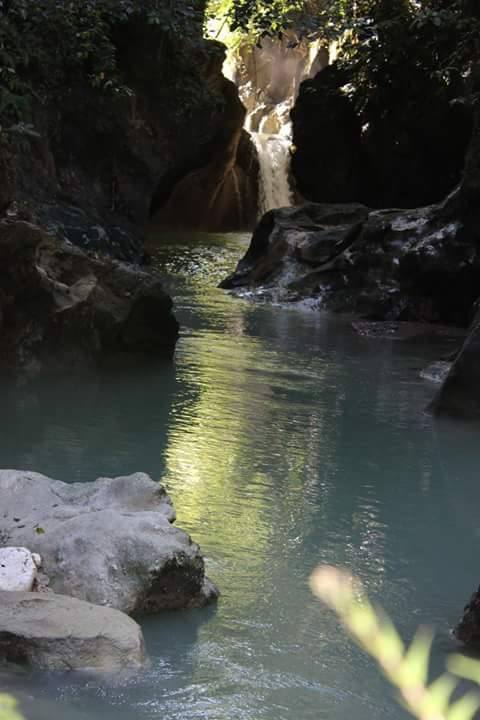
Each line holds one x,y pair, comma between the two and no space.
101,424
404,330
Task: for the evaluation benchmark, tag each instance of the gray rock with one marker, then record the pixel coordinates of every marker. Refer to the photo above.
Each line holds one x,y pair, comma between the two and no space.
55,632
410,265
110,542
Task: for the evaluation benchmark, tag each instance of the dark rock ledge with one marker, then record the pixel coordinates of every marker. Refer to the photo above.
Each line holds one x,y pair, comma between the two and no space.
59,305
417,265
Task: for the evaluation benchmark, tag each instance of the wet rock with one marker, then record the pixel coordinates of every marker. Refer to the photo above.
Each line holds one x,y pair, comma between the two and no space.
410,265
18,569
468,629
406,331
59,305
459,395
54,632
436,372
109,542
71,223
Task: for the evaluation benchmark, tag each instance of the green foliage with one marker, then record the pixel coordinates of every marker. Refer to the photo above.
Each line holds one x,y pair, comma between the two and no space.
253,19
47,45
8,708
405,668
384,45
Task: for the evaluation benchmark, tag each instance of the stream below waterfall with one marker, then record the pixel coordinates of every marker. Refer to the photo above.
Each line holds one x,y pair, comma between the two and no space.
285,441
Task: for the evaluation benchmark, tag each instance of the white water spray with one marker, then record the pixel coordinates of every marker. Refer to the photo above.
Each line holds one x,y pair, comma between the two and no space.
274,160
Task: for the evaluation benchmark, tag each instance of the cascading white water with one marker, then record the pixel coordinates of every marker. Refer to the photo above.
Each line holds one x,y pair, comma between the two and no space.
274,160
268,78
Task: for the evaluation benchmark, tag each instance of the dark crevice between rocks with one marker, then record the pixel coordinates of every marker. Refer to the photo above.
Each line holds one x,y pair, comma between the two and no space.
174,588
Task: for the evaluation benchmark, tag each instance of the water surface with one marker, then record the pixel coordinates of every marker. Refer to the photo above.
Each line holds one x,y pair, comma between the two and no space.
285,441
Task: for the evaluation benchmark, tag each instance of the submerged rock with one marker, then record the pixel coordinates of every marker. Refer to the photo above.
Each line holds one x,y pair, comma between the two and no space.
54,632
18,569
58,304
437,371
416,265
110,542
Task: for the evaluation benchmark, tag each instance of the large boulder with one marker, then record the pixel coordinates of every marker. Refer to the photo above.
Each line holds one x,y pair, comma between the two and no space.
109,542
59,304
416,265
54,632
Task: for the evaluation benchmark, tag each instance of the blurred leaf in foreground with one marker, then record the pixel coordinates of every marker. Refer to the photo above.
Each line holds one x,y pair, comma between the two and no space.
405,668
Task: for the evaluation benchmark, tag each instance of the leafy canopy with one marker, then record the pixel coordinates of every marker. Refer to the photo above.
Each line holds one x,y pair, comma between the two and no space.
48,44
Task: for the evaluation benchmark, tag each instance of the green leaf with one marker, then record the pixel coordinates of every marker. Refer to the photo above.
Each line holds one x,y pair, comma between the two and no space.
414,669
465,708
438,696
464,667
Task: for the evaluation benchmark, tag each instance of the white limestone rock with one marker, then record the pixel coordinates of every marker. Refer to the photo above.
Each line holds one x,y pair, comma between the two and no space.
18,569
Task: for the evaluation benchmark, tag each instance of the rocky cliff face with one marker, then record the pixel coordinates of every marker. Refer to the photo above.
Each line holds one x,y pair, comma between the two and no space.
96,168
221,192
405,150
91,171
62,306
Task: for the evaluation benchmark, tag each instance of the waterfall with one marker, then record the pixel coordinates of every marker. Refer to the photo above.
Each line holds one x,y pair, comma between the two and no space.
268,77
274,160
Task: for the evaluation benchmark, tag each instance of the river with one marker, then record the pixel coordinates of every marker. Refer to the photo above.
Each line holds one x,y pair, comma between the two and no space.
286,441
